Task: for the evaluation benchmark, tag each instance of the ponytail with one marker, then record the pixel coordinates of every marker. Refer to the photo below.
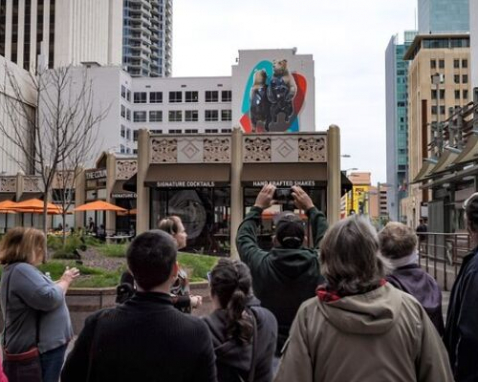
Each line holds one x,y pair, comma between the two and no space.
231,283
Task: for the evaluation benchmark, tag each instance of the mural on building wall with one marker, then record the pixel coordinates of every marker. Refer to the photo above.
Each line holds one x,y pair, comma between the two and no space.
273,98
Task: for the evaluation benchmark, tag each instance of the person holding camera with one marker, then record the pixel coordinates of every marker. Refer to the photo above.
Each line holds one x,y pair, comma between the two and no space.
289,273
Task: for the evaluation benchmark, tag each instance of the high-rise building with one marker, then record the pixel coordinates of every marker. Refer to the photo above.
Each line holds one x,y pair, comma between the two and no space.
443,16
396,78
438,83
474,41
64,32
147,38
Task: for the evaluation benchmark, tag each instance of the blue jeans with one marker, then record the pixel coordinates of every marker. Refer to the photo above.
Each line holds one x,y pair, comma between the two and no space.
51,363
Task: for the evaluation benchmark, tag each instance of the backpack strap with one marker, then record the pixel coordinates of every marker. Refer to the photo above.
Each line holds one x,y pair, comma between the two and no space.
254,348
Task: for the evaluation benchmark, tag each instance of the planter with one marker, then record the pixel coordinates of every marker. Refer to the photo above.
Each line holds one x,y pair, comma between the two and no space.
82,302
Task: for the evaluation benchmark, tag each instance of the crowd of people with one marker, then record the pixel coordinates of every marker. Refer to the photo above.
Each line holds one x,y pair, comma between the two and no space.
354,306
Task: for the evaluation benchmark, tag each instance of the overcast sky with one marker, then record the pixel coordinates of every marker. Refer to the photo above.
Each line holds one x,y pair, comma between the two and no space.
347,38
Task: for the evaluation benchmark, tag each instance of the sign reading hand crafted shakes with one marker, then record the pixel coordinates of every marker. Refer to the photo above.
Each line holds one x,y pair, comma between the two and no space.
277,91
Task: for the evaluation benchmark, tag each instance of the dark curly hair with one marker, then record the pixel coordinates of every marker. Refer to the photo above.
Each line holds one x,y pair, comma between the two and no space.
230,282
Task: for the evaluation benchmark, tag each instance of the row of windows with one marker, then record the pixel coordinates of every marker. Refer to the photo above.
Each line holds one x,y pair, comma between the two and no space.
126,133
441,64
456,79
177,96
177,116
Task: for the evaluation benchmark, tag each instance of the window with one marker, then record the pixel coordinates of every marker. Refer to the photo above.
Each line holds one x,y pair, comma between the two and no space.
212,96
226,130
441,64
433,64
211,115
175,97
123,131
156,131
211,131
140,97
135,151
156,97
226,96
226,115
442,93
128,114
122,149
456,64
155,116
465,78
434,110
192,96
139,116
434,94
135,136
191,116
457,94
464,63
128,134
175,116
123,92
191,131
175,131
123,111
456,78
442,110
128,95
465,94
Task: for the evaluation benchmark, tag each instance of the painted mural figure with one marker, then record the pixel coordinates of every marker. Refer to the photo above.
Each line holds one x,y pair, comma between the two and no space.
281,91
260,106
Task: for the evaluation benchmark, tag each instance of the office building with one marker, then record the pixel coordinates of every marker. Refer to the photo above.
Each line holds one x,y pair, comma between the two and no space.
396,79
63,32
438,83
147,38
474,42
443,16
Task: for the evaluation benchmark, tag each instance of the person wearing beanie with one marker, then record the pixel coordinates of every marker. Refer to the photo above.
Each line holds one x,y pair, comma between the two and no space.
398,243
289,273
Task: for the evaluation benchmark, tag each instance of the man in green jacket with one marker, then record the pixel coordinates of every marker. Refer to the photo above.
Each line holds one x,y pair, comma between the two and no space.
289,273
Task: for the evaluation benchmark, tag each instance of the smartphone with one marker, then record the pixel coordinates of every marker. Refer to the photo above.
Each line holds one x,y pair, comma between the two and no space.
283,195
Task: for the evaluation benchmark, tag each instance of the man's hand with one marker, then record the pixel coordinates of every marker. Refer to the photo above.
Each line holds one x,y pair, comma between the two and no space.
265,196
301,199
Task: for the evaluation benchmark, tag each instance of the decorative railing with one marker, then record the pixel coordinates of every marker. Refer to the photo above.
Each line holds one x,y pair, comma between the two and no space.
126,168
8,184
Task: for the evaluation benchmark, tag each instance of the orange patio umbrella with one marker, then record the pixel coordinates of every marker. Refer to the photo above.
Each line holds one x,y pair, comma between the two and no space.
99,205
7,206
128,212
35,206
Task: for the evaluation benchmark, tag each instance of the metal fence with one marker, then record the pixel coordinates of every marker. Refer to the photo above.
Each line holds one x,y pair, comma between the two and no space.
441,255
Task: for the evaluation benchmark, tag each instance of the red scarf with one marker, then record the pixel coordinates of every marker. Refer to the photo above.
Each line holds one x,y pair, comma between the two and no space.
327,295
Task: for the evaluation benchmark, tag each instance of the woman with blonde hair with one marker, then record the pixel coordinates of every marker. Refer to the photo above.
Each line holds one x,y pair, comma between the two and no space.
37,322
359,327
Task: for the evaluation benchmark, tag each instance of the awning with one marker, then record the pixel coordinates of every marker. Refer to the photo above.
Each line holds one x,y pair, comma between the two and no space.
457,177
444,162
470,151
254,172
426,169
119,192
131,184
188,175
346,184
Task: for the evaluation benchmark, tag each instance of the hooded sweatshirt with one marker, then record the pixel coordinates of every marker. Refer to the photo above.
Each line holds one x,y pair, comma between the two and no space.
234,360
382,335
281,278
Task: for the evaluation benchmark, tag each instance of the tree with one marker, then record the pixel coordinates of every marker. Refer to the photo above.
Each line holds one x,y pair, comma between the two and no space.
60,135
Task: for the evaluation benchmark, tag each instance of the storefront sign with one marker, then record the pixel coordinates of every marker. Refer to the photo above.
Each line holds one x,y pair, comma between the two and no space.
284,183
96,174
127,195
189,183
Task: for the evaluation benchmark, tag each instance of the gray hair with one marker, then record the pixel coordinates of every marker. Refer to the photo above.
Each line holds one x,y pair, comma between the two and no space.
397,240
350,258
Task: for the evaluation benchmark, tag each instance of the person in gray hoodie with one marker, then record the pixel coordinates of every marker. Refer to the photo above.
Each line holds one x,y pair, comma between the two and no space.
359,327
244,334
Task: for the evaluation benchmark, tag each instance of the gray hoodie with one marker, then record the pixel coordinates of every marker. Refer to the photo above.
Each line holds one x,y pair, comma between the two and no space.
382,335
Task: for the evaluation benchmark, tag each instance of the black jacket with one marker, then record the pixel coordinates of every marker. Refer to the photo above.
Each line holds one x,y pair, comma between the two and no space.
461,334
234,360
282,278
145,339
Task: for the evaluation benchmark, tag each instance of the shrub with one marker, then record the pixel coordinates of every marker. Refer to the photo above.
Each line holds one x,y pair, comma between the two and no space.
197,266
113,250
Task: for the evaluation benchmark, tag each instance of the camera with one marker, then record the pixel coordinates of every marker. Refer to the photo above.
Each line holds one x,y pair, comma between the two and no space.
283,195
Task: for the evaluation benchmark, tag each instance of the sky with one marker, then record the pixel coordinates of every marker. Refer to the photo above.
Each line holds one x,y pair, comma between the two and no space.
347,39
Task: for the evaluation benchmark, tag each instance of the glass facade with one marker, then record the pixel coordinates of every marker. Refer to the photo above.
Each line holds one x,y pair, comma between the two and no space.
443,16
397,121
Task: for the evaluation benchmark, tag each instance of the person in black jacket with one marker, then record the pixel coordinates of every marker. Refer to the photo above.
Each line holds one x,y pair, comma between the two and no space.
289,274
243,353
145,339
461,333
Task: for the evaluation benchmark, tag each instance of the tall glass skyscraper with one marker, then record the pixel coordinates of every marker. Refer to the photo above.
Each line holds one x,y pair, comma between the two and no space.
147,37
443,16
396,77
